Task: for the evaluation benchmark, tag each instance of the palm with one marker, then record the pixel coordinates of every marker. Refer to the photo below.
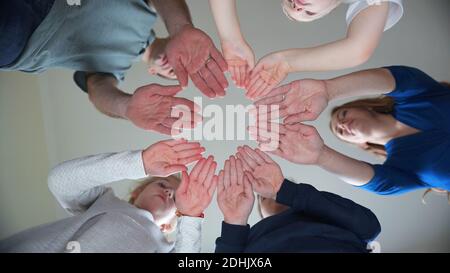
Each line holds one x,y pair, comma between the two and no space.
165,156
149,109
269,72
230,200
305,142
268,176
306,100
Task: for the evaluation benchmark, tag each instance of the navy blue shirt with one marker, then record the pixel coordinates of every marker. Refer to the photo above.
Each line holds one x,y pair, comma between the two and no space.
316,222
421,160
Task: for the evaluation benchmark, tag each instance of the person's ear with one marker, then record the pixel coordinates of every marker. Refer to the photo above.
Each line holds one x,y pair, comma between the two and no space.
136,192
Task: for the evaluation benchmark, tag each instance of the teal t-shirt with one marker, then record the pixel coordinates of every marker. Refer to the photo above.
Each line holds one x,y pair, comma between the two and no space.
104,36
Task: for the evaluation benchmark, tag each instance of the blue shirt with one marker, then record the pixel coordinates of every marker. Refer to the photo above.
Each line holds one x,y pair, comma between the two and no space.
315,222
421,160
105,36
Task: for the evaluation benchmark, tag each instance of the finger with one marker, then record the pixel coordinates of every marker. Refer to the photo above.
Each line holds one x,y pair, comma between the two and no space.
243,75
171,169
184,185
258,159
169,90
264,156
276,93
251,178
213,185
189,160
233,174
247,158
270,100
211,81
237,75
264,92
244,163
210,175
160,128
180,71
248,189
183,103
217,73
190,152
169,122
202,86
221,184
227,174
239,172
186,146
197,168
258,92
219,59
233,73
174,142
254,88
205,169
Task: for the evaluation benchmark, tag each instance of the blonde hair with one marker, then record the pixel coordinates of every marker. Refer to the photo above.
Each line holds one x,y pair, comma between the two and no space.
382,105
311,18
141,186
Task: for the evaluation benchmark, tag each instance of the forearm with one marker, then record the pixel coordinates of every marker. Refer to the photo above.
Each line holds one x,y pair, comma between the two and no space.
189,235
175,14
76,183
367,82
329,208
226,18
106,97
352,171
363,36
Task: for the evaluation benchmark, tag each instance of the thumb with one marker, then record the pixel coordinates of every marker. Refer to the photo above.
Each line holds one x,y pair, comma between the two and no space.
184,185
170,90
182,74
171,169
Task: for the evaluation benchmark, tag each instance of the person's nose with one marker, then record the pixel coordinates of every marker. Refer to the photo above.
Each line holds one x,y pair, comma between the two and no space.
169,193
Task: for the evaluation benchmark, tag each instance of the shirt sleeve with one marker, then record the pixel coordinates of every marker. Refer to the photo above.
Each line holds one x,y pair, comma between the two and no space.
330,208
389,180
411,82
395,11
189,235
233,238
80,78
78,183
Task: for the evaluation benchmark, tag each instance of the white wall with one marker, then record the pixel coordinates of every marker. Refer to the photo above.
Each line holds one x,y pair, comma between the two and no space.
72,127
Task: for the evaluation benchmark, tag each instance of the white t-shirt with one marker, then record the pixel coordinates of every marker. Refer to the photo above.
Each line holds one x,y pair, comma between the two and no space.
356,6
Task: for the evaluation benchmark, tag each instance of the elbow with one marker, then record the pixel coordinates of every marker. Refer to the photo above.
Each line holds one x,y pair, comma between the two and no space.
54,180
360,52
361,56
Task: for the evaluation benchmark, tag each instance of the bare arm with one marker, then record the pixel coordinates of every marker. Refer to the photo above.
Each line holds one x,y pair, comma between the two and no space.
352,171
367,82
106,97
175,14
226,18
362,39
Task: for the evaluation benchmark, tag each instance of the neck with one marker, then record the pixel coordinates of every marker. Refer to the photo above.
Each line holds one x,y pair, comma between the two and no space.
390,128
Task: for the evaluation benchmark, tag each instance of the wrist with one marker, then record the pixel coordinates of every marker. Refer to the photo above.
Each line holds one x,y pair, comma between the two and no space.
330,90
179,27
180,213
235,221
122,103
324,156
289,58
